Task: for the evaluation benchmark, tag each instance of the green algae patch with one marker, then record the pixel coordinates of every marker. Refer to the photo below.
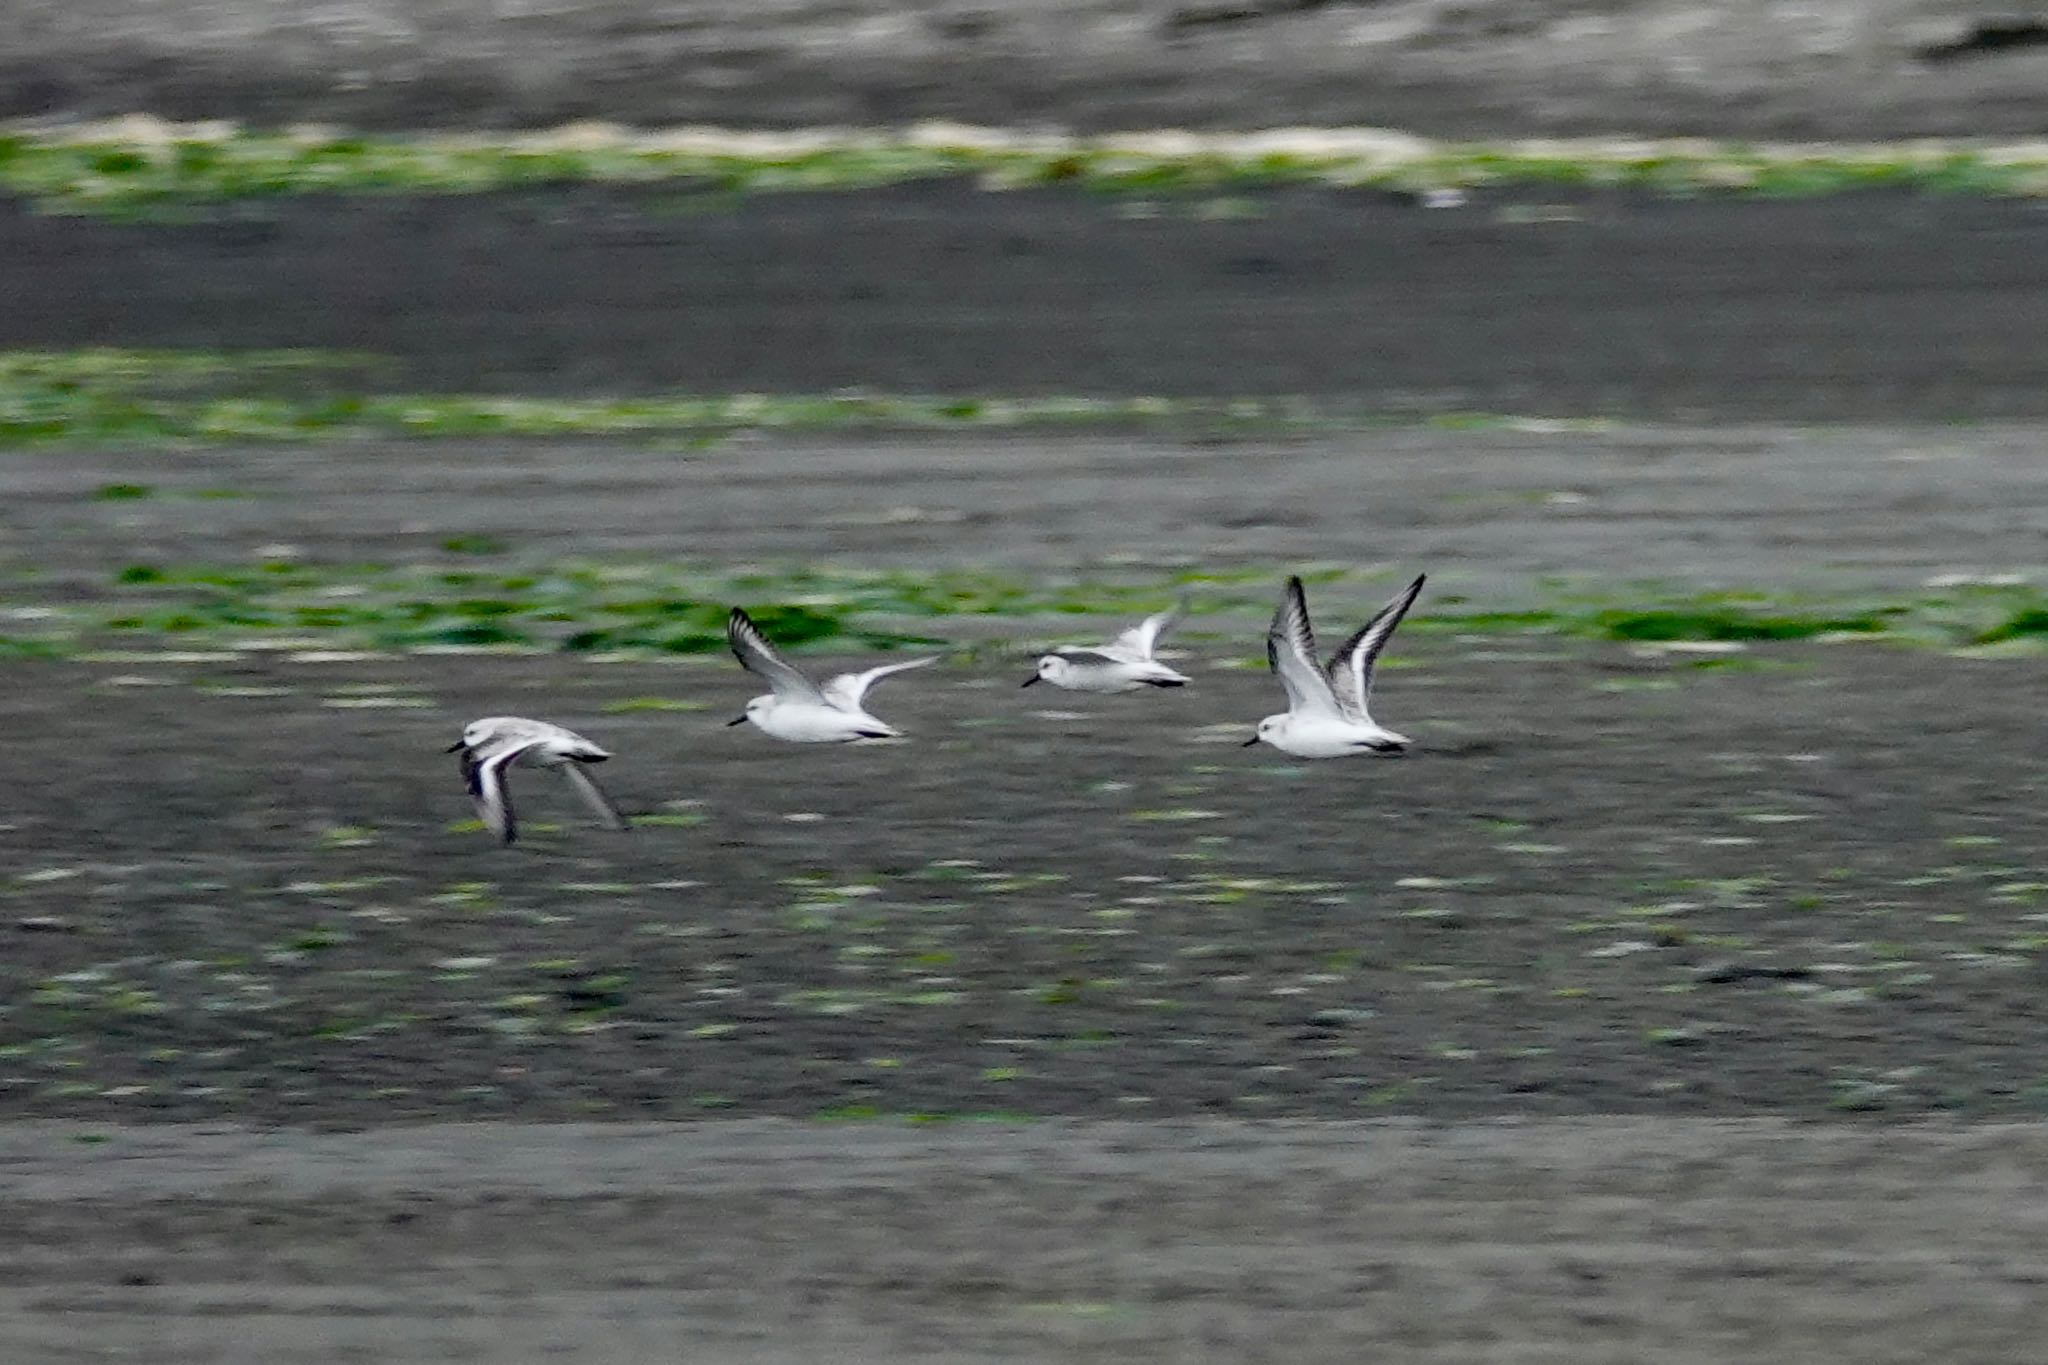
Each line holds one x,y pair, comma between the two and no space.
142,166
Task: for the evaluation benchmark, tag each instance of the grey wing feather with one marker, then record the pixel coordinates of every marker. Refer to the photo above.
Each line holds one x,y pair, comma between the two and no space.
593,796
1143,638
1351,668
847,689
487,787
756,655
1291,651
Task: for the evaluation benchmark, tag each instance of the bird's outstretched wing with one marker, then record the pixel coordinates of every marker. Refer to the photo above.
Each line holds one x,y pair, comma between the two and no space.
1143,638
846,689
1351,667
756,655
483,768
1291,650
594,797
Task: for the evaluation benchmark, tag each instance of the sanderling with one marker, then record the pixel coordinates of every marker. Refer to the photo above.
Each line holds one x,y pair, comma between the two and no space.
798,709
1326,707
493,744
1125,664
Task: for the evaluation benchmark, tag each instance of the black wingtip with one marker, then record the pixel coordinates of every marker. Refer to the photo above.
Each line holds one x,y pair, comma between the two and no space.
740,631
1294,595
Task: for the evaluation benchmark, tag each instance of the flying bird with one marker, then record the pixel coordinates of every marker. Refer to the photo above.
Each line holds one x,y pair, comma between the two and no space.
1125,664
1327,715
493,744
797,709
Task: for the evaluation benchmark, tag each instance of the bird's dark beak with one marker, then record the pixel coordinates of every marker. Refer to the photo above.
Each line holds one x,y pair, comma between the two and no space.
1032,679
1248,743
453,748
740,719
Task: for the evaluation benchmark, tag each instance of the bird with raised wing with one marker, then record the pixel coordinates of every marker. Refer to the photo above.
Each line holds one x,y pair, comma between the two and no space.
493,744
1125,664
799,710
1327,715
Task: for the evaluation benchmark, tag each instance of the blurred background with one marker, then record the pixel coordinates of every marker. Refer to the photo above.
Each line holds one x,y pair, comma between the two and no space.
367,368
1471,68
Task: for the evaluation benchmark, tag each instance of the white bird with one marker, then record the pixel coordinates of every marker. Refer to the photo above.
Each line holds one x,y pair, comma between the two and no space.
1125,664
1326,706
495,743
796,708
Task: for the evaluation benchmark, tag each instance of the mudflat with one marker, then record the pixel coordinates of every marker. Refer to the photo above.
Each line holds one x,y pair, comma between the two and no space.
1738,68
1662,1004
1612,1240
1847,308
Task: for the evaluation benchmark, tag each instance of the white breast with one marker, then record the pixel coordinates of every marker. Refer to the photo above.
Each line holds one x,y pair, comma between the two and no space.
808,723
